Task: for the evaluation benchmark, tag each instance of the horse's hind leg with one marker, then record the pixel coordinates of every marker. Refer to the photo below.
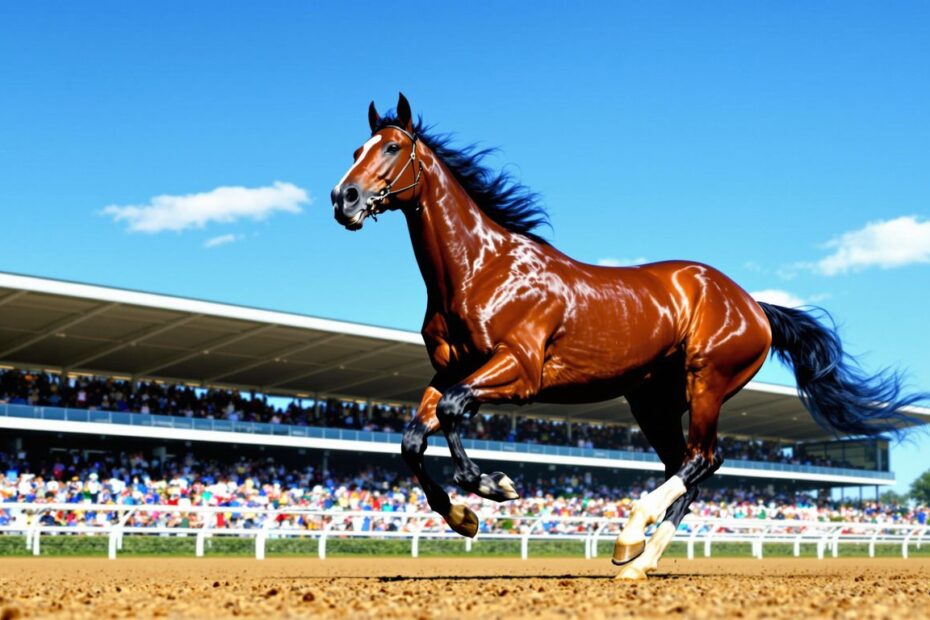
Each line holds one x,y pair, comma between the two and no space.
658,406
707,390
648,561
663,535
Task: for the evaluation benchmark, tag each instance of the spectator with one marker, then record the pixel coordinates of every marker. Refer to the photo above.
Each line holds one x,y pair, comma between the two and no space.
135,478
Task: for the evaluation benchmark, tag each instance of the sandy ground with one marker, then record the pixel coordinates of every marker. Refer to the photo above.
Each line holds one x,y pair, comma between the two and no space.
455,587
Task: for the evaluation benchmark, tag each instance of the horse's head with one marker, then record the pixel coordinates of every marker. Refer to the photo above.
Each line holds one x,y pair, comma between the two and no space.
386,173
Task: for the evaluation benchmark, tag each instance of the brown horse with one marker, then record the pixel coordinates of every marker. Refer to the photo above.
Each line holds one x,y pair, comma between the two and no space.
510,319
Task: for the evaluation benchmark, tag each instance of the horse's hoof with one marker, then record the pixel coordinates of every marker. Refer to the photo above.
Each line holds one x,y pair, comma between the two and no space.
497,487
462,520
624,553
631,573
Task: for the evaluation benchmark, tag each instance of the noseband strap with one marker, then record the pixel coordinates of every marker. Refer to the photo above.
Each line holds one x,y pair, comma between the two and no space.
374,203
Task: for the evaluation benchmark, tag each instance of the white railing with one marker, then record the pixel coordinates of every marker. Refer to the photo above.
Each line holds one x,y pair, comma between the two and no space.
323,525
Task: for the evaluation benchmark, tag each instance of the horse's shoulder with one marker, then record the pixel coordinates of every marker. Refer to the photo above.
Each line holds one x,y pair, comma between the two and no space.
434,326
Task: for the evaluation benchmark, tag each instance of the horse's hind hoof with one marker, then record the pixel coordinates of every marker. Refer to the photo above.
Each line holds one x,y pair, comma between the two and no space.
631,573
497,487
624,553
462,520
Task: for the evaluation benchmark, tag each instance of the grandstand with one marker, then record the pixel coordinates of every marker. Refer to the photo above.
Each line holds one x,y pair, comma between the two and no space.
329,370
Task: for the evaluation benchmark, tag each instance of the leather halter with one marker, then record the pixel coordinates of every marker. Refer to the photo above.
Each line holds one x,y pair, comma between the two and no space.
373,204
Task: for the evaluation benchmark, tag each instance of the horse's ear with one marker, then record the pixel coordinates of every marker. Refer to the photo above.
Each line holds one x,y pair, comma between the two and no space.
373,118
404,116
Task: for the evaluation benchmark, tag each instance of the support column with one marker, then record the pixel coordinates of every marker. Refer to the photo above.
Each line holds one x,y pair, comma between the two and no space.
15,445
63,382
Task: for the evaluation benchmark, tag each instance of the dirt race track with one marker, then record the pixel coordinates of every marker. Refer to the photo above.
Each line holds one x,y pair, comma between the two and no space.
455,587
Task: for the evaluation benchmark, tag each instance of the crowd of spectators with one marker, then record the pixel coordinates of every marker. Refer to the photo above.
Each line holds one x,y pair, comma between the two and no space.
128,479
151,397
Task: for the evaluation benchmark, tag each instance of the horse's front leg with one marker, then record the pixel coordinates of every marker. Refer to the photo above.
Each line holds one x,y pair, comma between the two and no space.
502,379
424,424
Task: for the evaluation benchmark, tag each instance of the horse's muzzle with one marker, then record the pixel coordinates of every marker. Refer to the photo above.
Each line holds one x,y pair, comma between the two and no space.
349,205
351,221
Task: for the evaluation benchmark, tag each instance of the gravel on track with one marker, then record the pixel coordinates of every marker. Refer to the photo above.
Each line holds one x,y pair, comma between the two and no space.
457,588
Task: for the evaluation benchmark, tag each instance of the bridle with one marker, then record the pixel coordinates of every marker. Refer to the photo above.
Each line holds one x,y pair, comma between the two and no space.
373,204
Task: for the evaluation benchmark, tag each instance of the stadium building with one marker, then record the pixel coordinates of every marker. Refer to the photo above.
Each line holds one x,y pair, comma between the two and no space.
72,330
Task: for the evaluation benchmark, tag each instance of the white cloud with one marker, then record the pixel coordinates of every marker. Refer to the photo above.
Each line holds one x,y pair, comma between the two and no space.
886,244
620,262
215,242
223,204
778,297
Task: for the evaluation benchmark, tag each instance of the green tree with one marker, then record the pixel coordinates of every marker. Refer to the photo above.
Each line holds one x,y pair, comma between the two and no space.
890,498
920,488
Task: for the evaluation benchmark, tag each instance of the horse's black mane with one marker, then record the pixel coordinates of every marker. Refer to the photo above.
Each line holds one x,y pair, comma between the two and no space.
505,200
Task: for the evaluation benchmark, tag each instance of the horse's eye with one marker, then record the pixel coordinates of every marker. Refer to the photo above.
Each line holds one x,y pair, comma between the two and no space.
392,148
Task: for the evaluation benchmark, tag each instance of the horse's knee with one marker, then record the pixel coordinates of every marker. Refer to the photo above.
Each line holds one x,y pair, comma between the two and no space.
413,445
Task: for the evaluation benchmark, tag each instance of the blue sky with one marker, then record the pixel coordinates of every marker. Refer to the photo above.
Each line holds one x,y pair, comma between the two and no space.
785,144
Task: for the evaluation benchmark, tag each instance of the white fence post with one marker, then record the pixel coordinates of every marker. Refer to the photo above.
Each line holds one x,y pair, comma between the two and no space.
822,543
28,531
32,535
907,540
111,543
415,543
525,540
691,540
36,544
597,536
209,522
115,542
321,548
200,543
262,537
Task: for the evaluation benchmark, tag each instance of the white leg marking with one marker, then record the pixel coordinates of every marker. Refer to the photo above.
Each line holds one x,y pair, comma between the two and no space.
507,484
649,560
647,510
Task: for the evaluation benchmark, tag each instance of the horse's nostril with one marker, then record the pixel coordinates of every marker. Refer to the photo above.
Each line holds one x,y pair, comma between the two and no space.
351,195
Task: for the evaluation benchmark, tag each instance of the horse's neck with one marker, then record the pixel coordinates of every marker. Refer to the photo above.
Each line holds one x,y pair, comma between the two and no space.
451,236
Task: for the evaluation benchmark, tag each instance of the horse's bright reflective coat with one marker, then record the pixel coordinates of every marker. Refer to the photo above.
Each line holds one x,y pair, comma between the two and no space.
510,319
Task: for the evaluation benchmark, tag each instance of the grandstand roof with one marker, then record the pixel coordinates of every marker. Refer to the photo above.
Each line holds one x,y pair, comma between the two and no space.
67,326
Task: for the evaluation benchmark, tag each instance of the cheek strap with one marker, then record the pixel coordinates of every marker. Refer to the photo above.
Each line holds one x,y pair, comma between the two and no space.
374,203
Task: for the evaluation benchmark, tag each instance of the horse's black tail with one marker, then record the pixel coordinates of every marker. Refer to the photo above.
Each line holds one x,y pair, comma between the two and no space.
832,386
